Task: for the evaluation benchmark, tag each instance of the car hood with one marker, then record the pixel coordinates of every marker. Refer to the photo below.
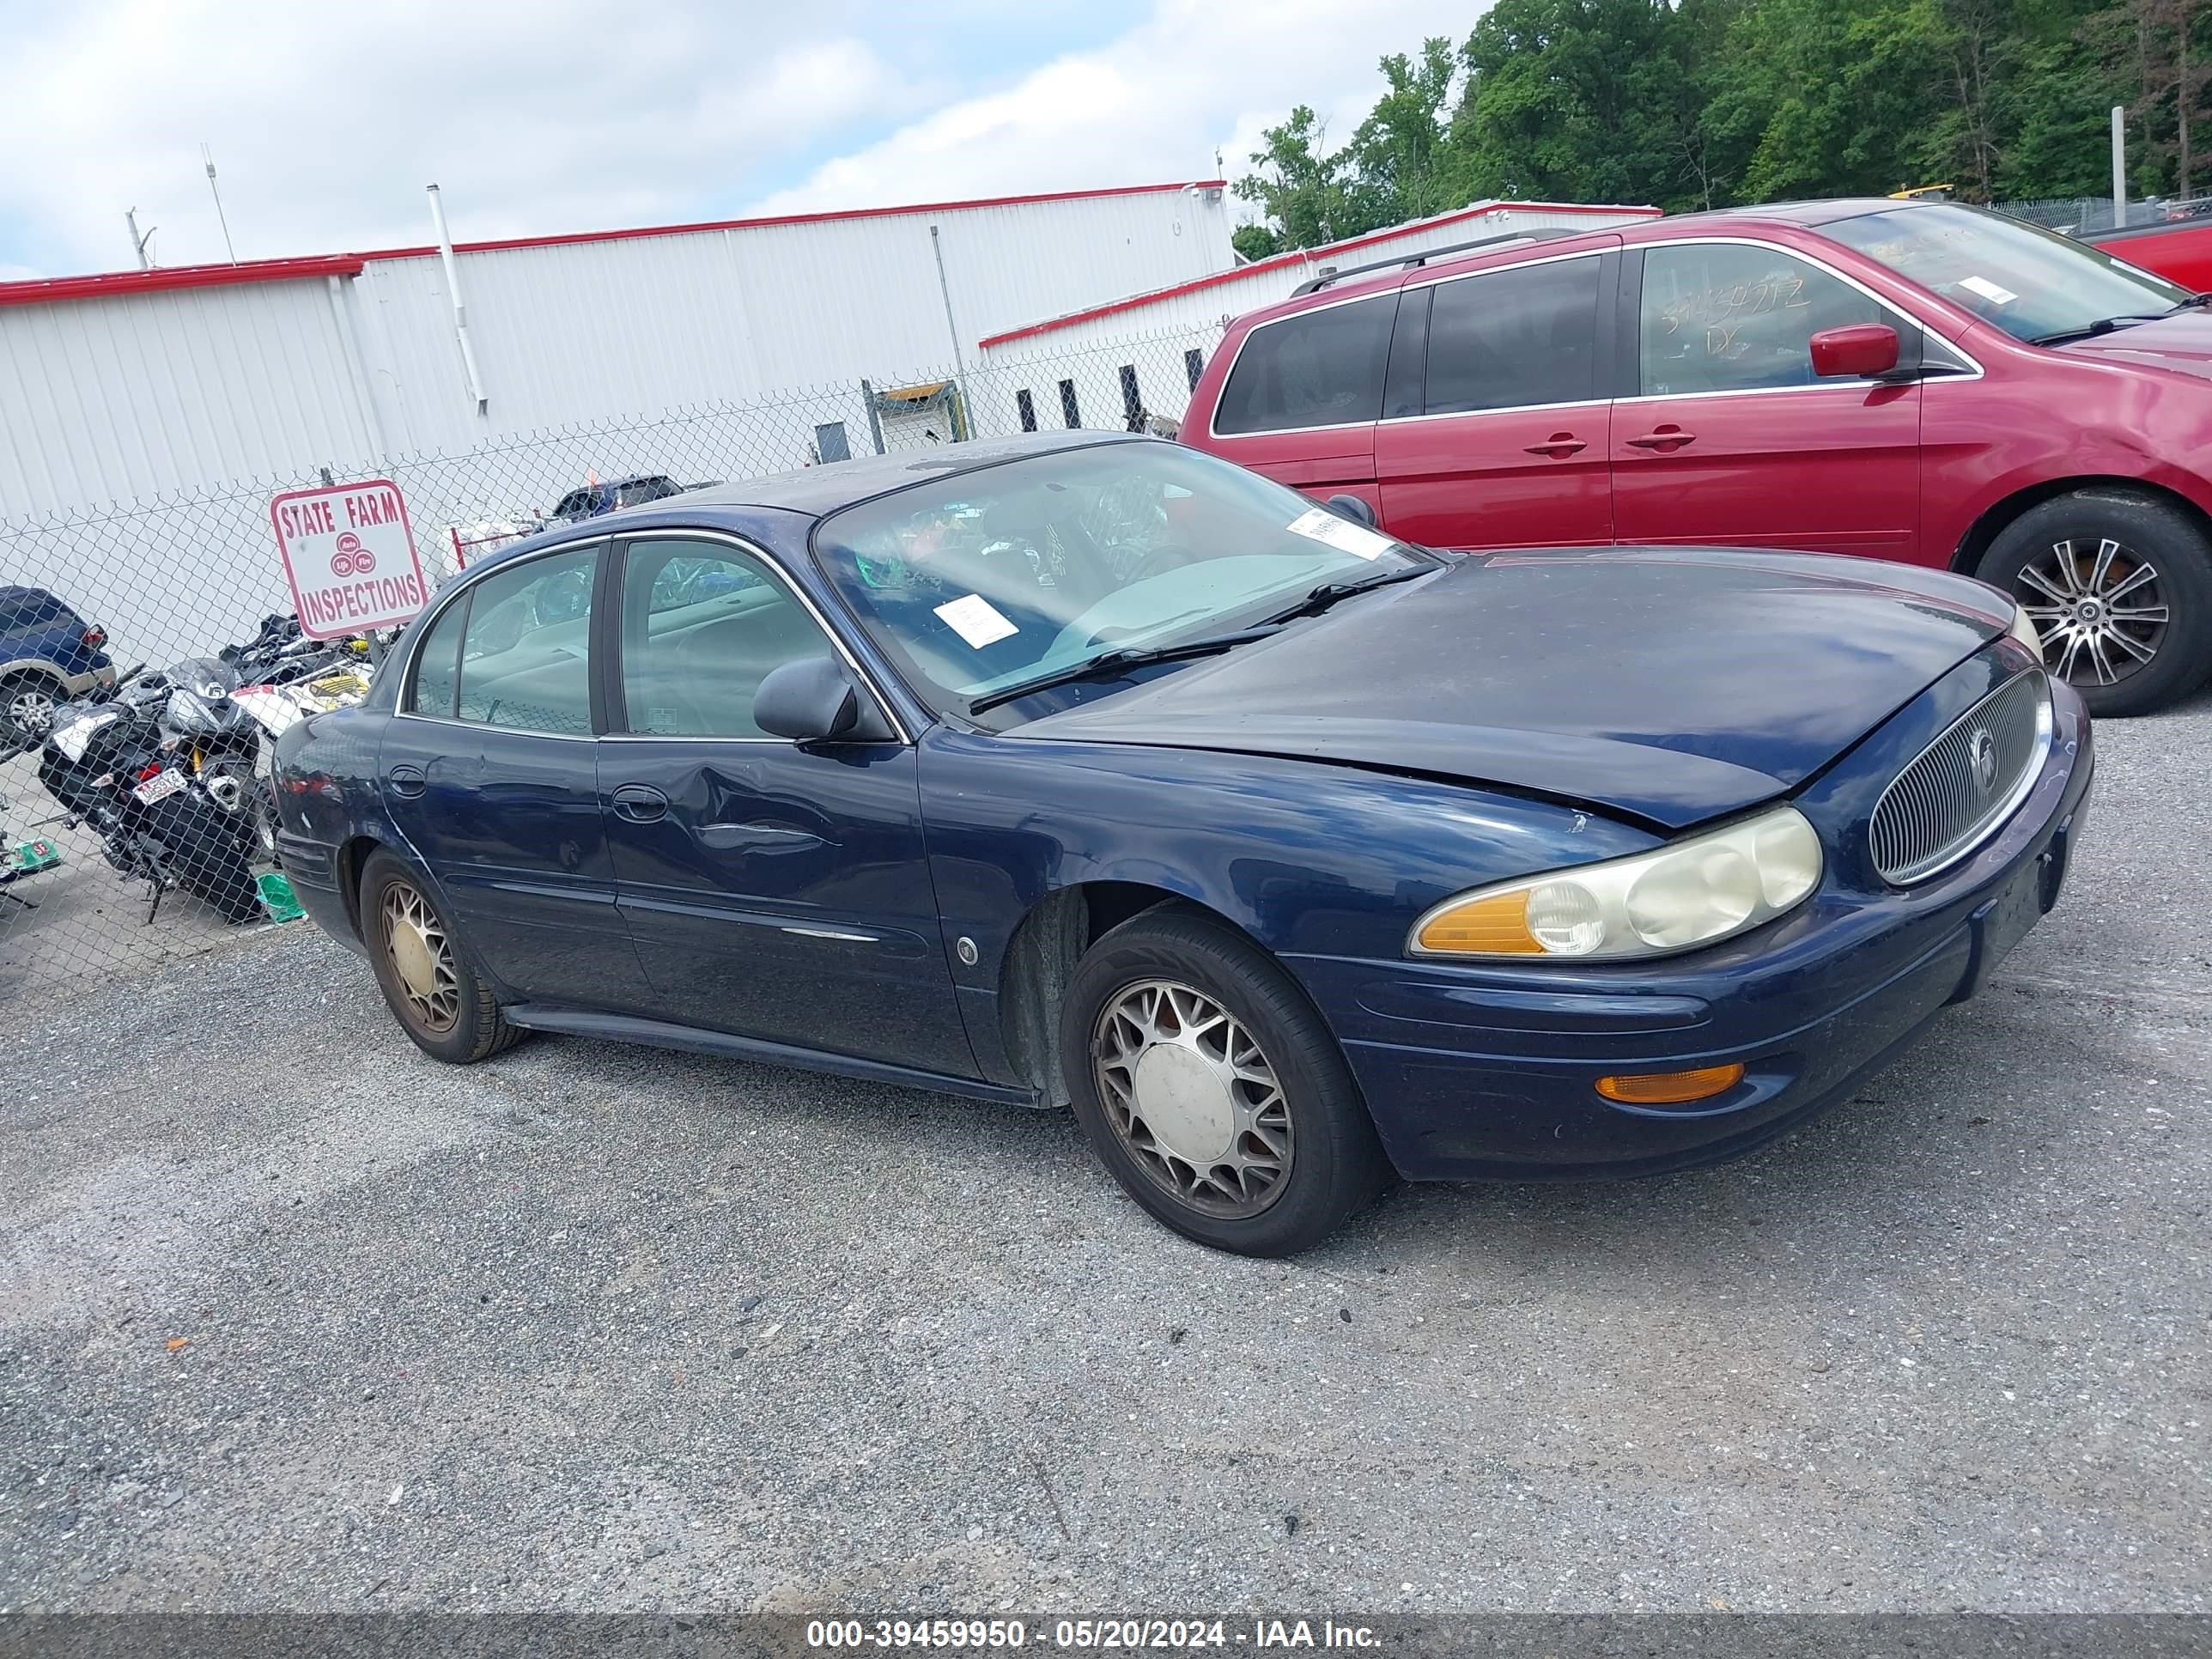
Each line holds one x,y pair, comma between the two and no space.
1665,685
2181,343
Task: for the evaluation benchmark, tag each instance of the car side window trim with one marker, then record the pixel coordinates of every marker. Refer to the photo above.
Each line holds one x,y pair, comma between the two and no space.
1933,346
1405,370
777,574
466,595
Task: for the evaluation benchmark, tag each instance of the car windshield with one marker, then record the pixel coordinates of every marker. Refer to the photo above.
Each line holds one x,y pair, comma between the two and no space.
987,578
2030,282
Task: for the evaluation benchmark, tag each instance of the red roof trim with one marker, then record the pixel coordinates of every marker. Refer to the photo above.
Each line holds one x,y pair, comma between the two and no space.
1296,257
41,292
37,292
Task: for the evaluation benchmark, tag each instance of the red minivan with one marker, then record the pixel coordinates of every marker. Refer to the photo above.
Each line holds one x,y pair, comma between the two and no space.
1921,381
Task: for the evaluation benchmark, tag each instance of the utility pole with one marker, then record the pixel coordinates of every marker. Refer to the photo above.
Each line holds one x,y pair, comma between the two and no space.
137,242
2181,94
208,157
2119,166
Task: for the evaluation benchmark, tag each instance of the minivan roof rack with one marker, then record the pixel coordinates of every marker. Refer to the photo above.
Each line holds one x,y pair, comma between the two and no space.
1409,261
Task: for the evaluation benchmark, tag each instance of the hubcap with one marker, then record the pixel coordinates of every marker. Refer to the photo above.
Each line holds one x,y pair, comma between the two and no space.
2101,610
416,941
1190,1091
31,713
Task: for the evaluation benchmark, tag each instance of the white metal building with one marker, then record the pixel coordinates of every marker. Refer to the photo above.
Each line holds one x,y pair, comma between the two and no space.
138,384
1106,364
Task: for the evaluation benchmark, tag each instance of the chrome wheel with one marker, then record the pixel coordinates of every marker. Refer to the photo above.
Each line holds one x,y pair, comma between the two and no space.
30,713
422,959
1193,1095
2100,609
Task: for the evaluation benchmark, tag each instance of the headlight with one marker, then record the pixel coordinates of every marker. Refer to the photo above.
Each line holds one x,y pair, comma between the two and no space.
1675,897
2024,630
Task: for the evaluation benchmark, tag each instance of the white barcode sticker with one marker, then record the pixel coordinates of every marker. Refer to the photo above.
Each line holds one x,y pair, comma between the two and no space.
976,620
1322,526
1988,289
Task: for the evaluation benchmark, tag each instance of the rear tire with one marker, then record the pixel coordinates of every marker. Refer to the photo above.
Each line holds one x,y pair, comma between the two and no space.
1212,1090
2120,589
437,996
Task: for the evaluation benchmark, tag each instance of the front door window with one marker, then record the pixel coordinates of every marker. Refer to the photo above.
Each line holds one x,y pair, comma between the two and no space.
1732,317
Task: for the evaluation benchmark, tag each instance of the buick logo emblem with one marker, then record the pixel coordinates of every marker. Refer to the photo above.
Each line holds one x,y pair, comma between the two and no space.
1981,759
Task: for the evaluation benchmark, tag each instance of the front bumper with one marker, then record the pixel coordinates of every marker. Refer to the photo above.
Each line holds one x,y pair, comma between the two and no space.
1488,1073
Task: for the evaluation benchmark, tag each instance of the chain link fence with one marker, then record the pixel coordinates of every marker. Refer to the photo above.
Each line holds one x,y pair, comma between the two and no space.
148,654
2087,216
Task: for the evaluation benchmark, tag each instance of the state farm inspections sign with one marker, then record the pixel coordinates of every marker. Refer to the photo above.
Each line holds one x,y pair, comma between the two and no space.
349,556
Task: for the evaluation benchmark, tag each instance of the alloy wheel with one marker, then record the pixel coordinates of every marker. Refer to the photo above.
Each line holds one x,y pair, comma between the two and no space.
422,957
1190,1091
2101,610
30,713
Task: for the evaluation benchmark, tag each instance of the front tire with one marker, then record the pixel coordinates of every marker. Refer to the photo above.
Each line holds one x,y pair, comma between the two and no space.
2119,589
439,999
1212,1090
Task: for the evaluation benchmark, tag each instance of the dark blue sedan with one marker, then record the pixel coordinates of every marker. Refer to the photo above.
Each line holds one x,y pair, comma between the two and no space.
1091,771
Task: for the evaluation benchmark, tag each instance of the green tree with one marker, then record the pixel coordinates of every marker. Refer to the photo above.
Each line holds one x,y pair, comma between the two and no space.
1300,185
1589,100
1711,103
1402,161
1255,241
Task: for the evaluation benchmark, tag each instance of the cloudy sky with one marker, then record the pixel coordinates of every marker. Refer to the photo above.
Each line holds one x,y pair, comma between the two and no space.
325,122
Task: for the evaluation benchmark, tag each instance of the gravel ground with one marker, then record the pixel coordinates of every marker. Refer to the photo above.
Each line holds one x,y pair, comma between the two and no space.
292,1318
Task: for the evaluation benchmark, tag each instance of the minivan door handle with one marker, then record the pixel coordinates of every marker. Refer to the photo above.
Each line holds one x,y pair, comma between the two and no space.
1667,437
639,802
407,780
1559,445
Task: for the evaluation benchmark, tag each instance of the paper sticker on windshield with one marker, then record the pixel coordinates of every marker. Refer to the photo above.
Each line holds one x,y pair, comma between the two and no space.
1988,289
976,620
1322,526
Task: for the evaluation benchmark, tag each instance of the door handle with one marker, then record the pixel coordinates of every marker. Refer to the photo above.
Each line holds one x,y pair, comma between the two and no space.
1667,437
639,802
406,780
1559,445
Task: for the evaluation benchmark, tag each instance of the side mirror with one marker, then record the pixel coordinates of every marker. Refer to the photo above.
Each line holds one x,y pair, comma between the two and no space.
814,701
1354,508
1859,351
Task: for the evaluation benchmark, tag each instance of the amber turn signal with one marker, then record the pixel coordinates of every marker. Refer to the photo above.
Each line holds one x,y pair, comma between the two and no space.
1670,1088
1493,926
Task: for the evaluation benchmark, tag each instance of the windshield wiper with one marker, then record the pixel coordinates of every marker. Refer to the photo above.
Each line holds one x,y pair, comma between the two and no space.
2190,303
1318,599
2090,330
1107,663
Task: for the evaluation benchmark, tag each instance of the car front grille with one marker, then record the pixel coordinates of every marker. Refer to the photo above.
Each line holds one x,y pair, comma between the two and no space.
1962,786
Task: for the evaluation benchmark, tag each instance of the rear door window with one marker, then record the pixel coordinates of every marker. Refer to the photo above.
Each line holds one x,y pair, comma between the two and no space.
1509,339
524,649
1318,368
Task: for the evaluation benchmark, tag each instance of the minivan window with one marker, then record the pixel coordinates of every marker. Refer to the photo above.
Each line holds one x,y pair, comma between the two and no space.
1737,317
1515,337
1318,368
